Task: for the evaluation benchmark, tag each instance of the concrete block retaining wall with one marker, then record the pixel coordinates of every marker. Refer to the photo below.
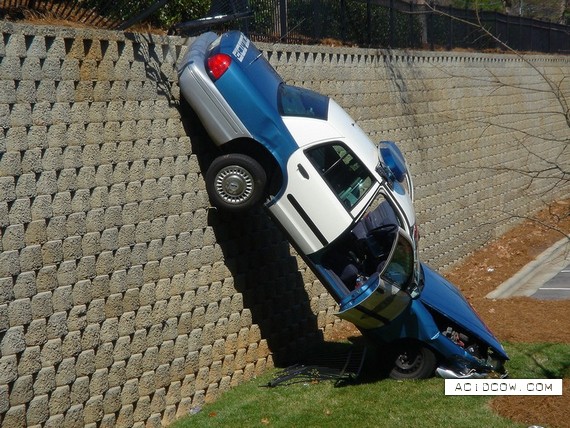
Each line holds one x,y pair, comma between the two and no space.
126,301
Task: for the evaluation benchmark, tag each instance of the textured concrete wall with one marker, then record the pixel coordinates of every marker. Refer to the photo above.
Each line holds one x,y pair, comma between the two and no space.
125,301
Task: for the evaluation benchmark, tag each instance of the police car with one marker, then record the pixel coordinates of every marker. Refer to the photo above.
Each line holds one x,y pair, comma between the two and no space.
345,203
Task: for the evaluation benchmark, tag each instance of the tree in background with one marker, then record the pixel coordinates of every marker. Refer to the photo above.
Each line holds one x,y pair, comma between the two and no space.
176,11
546,10
547,170
106,14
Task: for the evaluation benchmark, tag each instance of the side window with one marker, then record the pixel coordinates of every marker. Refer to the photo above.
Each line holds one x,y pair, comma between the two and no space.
347,177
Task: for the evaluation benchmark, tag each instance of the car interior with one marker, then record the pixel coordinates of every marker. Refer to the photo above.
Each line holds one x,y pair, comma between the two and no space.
364,250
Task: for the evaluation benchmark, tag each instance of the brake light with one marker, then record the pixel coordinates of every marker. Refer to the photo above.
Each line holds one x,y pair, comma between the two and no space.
218,64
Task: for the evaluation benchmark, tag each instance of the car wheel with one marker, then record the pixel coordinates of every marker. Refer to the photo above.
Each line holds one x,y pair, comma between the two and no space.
412,360
235,182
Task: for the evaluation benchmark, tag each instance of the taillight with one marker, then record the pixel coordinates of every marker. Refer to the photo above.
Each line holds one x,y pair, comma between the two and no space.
218,65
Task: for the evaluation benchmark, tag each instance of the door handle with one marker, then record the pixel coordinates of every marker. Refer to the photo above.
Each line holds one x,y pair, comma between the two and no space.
303,171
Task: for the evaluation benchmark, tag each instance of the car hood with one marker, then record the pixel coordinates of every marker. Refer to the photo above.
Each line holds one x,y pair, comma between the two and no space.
444,298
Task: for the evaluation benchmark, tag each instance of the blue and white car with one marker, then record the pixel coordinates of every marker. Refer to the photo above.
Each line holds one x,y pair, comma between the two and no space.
345,203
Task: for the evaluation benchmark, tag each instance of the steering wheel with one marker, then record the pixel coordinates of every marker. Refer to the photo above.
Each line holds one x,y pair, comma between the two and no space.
380,241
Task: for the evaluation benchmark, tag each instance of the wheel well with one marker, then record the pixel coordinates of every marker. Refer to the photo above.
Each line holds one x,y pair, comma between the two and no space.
258,152
403,369
410,341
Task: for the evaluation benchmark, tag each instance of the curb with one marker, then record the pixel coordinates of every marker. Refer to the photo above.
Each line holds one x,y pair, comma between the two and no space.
533,275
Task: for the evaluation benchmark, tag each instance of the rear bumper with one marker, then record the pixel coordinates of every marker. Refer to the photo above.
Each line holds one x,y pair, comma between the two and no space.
220,121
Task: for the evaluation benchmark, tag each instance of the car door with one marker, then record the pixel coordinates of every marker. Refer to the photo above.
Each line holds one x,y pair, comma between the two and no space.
326,185
309,211
374,305
385,294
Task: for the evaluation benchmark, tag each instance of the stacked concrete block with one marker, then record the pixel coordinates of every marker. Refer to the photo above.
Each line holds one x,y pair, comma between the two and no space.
116,305
125,300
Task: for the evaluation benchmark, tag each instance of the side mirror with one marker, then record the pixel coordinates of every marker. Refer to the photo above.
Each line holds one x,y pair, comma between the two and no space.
392,159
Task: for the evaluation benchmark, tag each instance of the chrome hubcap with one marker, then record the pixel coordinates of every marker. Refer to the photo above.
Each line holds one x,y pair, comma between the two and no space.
234,184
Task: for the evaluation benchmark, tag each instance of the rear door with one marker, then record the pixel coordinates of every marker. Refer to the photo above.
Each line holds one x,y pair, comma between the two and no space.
309,211
326,183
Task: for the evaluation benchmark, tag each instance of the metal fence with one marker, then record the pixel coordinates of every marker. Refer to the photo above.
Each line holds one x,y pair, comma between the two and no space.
451,28
366,23
400,24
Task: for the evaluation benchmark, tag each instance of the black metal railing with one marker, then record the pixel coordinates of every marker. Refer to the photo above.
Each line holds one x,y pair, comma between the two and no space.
353,22
366,23
453,28
401,24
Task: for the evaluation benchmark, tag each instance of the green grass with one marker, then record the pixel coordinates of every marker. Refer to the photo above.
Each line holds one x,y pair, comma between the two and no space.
373,402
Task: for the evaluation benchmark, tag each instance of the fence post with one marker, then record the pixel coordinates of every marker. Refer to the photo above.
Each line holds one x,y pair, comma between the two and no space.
411,25
368,23
521,45
424,22
391,26
317,20
532,33
450,34
283,19
430,26
549,37
343,20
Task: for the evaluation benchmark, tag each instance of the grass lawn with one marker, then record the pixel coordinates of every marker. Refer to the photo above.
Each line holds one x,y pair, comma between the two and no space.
371,402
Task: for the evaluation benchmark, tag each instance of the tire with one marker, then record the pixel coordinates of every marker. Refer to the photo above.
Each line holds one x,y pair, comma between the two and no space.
413,360
235,182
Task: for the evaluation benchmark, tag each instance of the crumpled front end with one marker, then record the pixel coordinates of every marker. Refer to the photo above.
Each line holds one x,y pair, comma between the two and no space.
443,320
471,350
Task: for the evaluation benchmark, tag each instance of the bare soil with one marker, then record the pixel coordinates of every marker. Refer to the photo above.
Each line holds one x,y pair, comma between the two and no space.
519,319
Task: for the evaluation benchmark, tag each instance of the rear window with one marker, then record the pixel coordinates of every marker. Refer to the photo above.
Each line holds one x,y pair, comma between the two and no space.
294,101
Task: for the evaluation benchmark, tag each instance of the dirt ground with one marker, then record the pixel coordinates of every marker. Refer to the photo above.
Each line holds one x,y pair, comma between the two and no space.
520,319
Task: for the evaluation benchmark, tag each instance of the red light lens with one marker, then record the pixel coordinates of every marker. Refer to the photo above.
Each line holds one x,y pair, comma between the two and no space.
218,65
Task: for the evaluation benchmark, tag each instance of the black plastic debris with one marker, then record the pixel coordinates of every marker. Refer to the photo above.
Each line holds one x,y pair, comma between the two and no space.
338,367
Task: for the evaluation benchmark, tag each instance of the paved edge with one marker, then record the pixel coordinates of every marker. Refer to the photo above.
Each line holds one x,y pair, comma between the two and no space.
534,274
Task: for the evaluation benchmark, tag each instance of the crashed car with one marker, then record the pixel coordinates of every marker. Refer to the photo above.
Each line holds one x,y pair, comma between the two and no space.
345,203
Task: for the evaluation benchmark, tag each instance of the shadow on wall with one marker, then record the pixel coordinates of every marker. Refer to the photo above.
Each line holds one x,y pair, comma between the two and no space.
264,271
154,60
255,251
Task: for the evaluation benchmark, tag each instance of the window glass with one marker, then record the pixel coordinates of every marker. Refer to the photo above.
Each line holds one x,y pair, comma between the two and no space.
348,178
400,268
294,101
